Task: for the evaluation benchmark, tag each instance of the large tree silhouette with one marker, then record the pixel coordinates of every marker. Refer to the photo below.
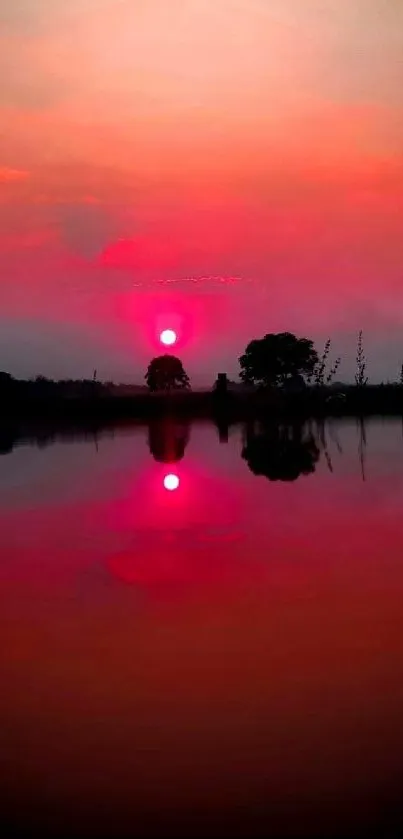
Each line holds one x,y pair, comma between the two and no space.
276,360
280,453
166,373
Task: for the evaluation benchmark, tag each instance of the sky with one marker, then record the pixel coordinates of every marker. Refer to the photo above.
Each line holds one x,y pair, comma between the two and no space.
226,168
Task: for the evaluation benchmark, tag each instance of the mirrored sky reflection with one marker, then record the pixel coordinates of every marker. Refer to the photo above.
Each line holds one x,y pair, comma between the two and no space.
227,654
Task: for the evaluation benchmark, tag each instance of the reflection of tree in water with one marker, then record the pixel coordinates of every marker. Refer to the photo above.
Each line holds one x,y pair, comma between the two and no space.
280,453
167,440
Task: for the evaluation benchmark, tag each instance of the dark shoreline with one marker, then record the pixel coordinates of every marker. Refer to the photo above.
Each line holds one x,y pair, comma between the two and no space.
104,407
43,418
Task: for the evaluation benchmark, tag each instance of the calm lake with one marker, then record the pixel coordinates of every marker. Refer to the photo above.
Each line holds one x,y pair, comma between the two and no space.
202,632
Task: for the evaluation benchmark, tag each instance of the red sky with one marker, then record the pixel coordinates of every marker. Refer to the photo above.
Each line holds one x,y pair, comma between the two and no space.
234,166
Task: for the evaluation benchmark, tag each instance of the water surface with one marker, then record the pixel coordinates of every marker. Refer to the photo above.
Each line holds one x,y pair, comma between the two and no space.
225,658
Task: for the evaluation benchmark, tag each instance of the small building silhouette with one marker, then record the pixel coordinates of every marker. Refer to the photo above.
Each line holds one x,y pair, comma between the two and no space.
221,384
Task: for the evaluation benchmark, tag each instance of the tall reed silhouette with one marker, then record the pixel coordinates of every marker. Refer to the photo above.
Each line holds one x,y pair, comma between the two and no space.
360,378
321,374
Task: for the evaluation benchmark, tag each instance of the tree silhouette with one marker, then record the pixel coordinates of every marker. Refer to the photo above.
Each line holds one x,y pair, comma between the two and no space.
7,383
166,372
278,359
280,453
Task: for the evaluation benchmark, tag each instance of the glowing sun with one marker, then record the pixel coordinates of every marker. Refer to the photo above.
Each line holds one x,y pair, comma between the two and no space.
171,482
168,337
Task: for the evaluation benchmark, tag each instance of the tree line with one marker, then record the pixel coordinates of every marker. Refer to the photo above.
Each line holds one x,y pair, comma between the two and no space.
277,360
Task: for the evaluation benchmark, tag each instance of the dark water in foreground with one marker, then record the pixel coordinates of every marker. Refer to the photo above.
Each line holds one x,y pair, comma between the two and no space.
225,658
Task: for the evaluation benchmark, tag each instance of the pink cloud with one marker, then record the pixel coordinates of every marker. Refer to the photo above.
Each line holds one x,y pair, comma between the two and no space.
10,176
